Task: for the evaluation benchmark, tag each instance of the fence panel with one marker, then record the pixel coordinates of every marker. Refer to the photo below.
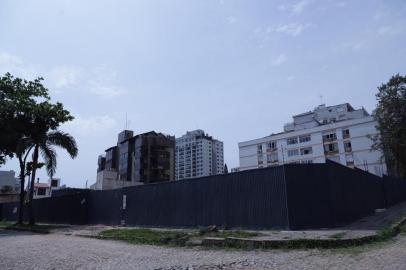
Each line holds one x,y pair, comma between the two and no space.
308,196
354,193
251,199
301,196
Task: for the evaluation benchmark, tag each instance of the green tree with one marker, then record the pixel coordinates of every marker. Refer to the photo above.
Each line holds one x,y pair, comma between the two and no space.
391,117
48,117
6,189
18,99
225,169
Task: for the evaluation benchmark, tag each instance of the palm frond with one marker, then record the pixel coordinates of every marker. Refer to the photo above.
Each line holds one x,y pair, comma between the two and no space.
49,156
24,145
63,140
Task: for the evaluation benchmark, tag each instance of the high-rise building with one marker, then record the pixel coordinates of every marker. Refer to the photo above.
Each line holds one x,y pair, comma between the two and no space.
198,154
338,133
141,159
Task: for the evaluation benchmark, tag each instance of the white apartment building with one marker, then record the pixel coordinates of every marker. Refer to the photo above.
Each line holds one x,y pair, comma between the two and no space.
338,133
197,154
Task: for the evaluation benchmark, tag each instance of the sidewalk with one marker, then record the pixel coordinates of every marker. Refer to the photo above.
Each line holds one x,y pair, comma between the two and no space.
362,231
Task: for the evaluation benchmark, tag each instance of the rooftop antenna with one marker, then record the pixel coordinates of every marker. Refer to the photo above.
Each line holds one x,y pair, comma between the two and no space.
126,123
321,99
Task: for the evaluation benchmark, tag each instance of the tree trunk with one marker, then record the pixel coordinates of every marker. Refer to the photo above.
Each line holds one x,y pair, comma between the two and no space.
34,168
22,184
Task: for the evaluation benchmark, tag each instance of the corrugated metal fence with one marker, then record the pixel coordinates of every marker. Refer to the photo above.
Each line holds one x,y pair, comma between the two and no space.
292,197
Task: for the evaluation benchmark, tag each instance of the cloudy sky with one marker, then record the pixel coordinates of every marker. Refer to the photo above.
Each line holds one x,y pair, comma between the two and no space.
237,69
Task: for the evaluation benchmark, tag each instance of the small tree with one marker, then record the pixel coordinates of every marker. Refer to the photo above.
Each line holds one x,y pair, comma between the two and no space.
48,117
225,168
390,115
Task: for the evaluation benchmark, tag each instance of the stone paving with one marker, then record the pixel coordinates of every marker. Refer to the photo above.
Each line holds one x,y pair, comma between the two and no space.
63,249
56,251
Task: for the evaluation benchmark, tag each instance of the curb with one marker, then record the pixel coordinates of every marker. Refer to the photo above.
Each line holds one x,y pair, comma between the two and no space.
26,230
234,242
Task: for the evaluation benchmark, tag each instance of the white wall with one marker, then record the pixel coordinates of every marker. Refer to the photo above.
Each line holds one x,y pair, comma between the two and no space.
361,153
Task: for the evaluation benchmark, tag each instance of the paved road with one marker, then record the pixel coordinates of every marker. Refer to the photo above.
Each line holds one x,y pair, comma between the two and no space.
53,251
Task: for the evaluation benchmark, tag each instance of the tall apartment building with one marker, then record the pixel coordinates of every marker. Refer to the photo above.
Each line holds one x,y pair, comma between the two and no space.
8,182
198,154
135,160
338,133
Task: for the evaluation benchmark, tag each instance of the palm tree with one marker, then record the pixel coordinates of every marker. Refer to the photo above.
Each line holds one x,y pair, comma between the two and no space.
45,145
23,149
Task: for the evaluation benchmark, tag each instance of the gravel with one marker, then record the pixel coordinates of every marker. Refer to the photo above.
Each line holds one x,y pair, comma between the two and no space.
55,251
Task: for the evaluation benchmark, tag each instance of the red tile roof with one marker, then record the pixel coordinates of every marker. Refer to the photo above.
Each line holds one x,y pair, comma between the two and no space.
41,185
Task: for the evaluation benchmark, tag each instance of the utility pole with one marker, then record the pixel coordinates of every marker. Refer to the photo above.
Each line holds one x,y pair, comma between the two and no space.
283,156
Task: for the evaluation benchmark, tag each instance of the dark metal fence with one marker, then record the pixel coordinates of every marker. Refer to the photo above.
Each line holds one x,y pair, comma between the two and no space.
292,197
394,190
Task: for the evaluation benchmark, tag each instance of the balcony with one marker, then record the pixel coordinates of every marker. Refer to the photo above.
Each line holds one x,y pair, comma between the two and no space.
331,149
272,161
329,138
330,152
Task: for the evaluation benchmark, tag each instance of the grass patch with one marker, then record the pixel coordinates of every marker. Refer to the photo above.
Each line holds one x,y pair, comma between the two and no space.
4,224
337,236
356,250
383,238
403,229
237,234
147,236
167,237
38,228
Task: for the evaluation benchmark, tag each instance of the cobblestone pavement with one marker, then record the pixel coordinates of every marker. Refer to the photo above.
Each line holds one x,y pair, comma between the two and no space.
56,251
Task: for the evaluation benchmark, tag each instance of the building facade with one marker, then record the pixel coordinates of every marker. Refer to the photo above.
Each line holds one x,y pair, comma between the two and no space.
8,182
43,190
135,160
198,154
338,133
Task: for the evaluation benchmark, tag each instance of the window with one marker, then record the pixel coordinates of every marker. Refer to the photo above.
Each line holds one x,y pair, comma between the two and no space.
41,191
307,161
306,151
54,183
272,158
292,140
271,146
305,138
350,164
260,159
259,148
294,162
330,137
293,152
347,147
331,148
346,133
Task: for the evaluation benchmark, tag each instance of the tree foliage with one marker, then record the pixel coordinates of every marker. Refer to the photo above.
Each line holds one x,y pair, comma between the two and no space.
390,115
18,101
29,121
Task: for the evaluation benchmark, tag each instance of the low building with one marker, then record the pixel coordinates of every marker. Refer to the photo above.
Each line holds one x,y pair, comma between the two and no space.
197,154
42,190
136,160
339,133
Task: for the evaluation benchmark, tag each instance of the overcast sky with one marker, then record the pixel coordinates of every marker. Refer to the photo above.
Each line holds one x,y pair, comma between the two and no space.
237,69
